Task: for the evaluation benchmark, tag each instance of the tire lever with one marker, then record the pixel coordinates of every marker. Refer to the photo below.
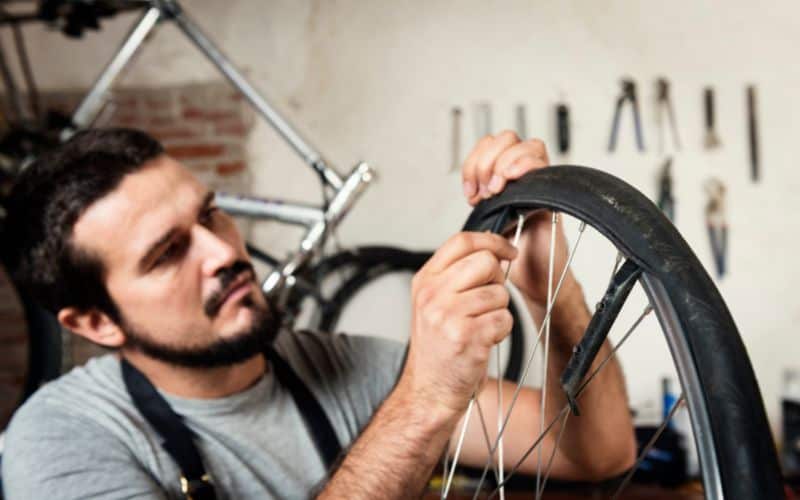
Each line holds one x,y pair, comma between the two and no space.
584,353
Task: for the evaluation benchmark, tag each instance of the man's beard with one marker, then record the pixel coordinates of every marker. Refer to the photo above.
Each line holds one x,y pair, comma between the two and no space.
220,352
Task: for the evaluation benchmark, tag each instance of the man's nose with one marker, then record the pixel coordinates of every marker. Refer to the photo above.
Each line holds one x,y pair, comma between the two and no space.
215,252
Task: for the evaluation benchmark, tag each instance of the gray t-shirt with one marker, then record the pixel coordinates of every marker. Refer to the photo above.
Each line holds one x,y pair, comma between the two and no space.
80,436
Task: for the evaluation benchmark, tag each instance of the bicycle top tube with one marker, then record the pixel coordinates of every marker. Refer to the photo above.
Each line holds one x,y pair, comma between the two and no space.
91,106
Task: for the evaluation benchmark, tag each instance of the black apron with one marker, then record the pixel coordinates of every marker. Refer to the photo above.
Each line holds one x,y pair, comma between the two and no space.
178,439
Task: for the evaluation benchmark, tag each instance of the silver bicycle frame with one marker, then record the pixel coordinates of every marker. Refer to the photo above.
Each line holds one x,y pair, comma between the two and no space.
318,220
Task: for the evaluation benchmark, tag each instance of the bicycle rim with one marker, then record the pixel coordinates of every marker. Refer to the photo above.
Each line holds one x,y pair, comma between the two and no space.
728,420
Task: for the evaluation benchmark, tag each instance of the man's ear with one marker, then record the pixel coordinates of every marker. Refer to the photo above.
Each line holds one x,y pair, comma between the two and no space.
94,325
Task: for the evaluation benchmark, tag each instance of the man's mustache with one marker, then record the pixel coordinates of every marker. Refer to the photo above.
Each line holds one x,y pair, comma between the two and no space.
226,277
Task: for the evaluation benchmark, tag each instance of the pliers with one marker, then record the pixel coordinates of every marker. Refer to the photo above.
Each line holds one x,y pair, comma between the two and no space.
628,94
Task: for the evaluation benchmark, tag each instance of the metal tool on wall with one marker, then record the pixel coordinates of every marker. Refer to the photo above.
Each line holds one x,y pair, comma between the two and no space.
752,129
455,138
628,94
664,107
712,139
521,122
562,128
666,202
716,223
483,120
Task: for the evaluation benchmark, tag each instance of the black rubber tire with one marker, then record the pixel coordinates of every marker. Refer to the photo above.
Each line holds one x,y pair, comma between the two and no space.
748,464
372,262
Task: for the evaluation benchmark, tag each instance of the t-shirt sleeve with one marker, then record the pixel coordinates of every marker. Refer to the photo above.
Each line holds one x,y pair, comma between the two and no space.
50,453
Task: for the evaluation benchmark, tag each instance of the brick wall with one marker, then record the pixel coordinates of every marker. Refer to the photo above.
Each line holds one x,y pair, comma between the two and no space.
205,126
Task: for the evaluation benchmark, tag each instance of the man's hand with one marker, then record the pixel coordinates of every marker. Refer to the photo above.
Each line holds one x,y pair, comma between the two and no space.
495,161
460,313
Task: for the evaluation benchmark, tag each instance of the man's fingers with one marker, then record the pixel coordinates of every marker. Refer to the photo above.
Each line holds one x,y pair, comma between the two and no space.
476,269
470,167
492,327
485,166
521,159
483,299
465,243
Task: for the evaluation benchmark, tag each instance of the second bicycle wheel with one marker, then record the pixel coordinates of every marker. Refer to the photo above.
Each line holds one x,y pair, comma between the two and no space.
731,433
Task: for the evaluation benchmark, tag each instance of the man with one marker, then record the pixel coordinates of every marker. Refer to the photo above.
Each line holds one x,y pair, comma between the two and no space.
126,247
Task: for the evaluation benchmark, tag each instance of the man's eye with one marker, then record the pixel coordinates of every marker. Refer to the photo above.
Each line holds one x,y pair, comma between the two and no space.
173,251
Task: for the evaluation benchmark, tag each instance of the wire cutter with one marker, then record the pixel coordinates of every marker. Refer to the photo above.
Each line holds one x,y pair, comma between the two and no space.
628,94
664,106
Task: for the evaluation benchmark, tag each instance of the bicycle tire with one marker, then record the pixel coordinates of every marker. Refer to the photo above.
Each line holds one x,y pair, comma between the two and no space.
737,456
373,262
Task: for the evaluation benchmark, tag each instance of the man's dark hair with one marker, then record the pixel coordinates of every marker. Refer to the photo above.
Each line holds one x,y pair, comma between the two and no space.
46,201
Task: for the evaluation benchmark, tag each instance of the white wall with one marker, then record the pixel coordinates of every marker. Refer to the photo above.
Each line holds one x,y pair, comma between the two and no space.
376,81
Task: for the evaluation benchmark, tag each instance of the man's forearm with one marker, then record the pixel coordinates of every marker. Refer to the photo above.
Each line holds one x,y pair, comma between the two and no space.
605,424
395,455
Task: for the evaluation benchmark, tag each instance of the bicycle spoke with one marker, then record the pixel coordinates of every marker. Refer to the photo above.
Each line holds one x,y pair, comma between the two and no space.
486,437
647,447
648,309
550,259
520,223
500,467
524,376
459,444
446,484
500,464
553,455
444,468
530,450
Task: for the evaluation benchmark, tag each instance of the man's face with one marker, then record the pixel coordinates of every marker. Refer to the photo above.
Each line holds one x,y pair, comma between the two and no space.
177,269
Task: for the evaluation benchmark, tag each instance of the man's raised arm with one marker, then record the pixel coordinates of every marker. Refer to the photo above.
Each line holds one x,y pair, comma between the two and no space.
459,314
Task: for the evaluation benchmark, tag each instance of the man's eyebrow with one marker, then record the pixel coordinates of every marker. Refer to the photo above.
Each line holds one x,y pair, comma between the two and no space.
156,245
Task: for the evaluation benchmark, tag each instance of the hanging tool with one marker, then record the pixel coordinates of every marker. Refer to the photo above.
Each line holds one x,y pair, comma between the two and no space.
455,138
664,106
562,127
665,200
712,140
483,120
521,122
753,133
716,224
628,94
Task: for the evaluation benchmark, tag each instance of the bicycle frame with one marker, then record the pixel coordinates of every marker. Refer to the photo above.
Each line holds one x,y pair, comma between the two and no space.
319,221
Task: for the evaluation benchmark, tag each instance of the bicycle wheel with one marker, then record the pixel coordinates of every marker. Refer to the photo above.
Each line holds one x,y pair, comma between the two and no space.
371,263
728,420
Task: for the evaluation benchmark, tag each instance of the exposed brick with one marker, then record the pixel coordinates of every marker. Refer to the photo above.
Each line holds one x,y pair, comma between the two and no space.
195,150
213,115
198,165
154,121
230,168
126,120
238,129
125,103
173,131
